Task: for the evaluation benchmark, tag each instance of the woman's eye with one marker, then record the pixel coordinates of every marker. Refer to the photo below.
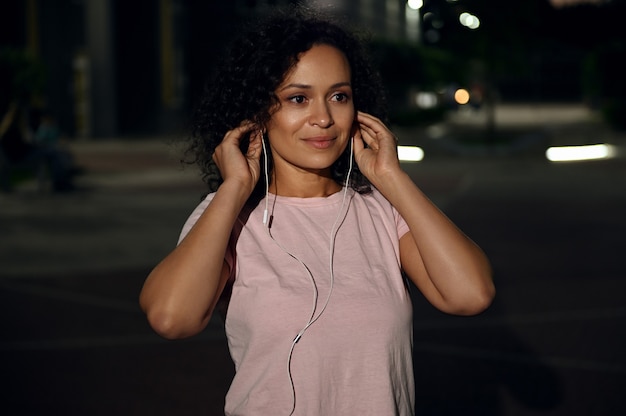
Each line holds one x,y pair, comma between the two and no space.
298,99
340,96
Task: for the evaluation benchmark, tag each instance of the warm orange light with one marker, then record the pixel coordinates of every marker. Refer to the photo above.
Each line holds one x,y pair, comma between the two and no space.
461,96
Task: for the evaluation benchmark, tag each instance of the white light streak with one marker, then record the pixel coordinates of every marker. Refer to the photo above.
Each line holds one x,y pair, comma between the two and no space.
577,153
410,153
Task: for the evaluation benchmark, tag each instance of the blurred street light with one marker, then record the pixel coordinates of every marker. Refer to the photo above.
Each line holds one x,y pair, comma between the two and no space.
469,20
415,4
461,96
426,100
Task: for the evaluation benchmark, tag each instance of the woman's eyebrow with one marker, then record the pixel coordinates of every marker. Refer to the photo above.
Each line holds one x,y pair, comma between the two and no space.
295,85
306,86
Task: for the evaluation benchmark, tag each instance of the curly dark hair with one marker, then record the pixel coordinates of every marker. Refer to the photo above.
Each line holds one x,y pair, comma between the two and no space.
243,86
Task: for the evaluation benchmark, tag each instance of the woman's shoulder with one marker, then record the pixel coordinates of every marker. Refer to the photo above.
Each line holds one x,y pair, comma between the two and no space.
375,202
195,214
374,197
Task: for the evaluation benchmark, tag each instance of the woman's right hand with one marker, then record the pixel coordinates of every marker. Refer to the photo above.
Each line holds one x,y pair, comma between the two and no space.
181,292
236,166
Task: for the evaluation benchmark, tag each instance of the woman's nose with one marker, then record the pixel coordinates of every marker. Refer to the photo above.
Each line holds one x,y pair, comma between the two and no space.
321,115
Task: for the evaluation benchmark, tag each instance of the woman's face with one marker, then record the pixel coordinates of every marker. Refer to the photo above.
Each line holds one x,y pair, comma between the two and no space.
314,120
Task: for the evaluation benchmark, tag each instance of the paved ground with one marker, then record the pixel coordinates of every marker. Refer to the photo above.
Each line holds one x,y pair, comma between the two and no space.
75,343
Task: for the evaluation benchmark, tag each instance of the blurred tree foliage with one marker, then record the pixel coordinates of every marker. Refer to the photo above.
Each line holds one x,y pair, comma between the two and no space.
603,79
22,77
405,67
605,85
529,50
585,43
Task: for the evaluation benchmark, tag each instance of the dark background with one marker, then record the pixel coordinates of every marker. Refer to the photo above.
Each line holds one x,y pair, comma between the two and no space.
72,338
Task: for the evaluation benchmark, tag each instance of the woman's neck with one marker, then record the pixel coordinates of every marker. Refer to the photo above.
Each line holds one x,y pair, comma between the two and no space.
304,185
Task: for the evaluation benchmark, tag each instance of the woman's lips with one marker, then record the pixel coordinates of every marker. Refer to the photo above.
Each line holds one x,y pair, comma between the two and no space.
320,142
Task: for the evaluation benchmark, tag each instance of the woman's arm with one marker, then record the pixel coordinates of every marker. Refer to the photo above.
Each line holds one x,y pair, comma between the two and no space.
449,269
181,292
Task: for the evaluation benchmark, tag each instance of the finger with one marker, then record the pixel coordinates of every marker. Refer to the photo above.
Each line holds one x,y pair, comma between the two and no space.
255,145
358,143
376,126
379,137
238,132
369,136
368,117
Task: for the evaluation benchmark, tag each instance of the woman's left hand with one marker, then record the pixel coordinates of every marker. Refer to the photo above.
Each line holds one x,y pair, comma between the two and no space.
379,160
449,269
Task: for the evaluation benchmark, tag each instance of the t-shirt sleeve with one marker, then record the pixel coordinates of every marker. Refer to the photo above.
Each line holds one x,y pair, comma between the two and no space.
193,218
191,221
401,224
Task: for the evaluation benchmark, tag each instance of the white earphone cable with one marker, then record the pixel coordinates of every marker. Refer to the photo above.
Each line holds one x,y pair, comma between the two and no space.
333,234
334,231
267,183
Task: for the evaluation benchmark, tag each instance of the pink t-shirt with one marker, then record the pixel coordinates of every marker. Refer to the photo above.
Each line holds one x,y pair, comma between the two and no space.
356,358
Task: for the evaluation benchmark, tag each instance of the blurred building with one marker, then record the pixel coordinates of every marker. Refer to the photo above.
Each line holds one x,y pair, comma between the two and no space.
125,68
129,68
113,67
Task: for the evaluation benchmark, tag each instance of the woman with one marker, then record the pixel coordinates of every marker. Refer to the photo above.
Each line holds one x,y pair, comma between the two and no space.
312,222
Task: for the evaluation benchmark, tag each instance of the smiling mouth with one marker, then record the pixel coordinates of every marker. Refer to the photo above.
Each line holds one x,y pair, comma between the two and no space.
320,142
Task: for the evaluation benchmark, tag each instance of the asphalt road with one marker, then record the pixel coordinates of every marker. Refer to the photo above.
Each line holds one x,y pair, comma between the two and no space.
71,266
